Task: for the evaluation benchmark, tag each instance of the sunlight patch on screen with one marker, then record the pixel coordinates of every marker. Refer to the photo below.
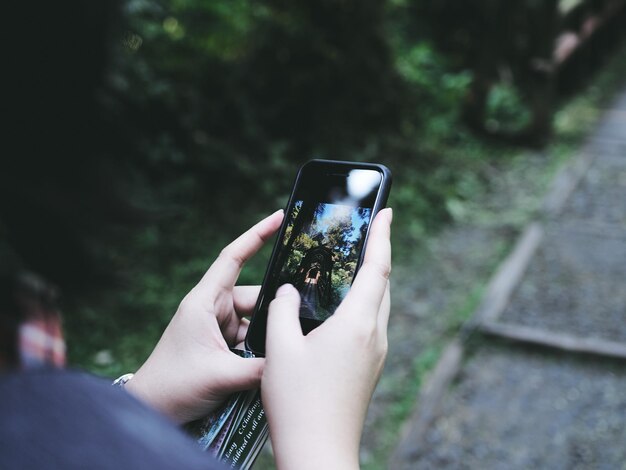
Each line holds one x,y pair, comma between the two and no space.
362,182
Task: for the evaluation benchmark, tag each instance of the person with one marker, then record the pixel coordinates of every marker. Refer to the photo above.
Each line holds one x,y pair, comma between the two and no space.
56,189
315,388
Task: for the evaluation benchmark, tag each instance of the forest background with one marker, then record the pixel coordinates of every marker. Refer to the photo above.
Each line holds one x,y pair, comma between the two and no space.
209,108
191,118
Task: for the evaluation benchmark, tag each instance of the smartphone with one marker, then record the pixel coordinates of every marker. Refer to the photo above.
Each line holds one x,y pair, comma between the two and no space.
321,243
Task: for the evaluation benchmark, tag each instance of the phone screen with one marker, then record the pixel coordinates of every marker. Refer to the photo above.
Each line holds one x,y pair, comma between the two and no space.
322,242
322,245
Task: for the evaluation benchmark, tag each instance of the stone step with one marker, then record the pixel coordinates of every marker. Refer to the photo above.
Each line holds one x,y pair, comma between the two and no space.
601,194
512,408
574,284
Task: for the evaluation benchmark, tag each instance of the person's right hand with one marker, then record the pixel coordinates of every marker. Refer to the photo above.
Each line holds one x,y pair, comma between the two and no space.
316,388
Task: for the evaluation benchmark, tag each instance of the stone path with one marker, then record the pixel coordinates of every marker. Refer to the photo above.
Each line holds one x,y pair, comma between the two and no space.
553,393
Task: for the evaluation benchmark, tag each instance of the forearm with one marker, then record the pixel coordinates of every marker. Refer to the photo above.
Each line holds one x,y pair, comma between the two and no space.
315,434
305,450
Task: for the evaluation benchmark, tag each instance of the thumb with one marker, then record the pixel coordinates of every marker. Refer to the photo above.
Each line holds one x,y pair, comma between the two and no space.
283,325
240,373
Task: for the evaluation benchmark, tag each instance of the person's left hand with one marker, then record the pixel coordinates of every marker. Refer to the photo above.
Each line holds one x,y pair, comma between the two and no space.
191,370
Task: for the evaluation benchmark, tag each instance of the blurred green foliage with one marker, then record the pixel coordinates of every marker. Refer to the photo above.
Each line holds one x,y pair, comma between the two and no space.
211,106
220,102
150,133
207,109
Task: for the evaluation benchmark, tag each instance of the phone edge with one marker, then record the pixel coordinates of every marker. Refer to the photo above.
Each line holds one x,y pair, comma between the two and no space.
379,204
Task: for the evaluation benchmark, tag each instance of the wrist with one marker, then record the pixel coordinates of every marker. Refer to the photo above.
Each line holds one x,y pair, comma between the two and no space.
311,450
152,391
315,458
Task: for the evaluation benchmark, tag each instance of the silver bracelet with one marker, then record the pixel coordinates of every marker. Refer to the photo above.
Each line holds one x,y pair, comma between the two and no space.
121,380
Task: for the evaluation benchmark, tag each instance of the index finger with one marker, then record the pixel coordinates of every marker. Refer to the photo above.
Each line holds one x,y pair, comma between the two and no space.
224,272
368,289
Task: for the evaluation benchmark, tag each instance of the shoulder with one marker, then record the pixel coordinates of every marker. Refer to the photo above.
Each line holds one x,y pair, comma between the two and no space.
69,419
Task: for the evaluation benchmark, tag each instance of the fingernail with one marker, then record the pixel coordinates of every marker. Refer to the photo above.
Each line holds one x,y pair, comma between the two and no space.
388,213
285,289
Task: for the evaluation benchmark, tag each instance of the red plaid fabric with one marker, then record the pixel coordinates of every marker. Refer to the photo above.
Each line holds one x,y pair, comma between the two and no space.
40,341
35,331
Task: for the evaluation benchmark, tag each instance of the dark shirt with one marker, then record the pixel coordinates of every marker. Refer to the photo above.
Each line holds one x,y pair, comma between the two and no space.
62,419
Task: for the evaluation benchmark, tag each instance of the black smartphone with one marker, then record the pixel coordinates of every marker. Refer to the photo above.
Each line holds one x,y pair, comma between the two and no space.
321,243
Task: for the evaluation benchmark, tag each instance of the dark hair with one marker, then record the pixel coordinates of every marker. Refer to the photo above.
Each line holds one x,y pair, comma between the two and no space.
52,185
